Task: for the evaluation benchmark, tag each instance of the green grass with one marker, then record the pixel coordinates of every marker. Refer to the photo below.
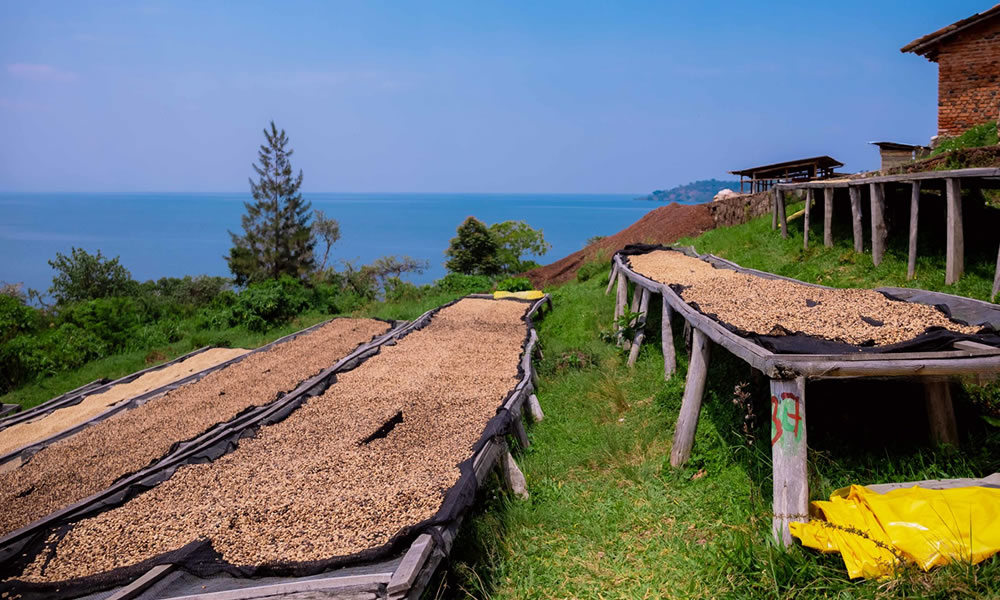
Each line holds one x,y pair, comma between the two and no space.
609,518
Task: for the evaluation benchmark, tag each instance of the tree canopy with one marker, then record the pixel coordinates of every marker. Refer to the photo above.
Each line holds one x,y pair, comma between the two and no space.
277,236
83,276
495,250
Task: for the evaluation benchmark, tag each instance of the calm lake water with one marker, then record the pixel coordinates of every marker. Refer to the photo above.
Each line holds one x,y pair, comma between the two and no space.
160,235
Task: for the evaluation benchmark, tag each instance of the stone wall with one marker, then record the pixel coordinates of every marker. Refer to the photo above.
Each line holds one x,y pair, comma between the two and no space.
739,209
969,78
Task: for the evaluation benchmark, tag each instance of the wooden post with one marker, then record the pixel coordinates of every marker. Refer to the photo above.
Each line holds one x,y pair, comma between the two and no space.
667,333
779,199
774,209
517,428
911,261
513,476
941,412
878,222
996,278
611,279
856,218
805,219
640,333
955,244
633,308
788,456
694,388
620,298
535,409
828,217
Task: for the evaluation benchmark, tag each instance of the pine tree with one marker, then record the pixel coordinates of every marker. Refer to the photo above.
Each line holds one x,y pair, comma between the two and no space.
277,238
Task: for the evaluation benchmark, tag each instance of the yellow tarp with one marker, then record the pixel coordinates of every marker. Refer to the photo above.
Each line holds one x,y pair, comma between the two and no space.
874,532
528,295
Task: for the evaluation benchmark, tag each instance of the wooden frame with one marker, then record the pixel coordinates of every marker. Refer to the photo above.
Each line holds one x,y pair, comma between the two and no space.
789,374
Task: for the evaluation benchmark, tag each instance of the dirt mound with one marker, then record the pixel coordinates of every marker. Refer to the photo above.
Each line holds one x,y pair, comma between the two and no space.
663,225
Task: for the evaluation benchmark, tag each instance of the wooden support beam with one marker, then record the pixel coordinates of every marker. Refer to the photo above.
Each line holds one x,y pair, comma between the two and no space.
667,335
996,279
620,299
788,456
779,199
941,412
774,209
640,333
611,279
805,219
633,308
855,192
513,476
878,222
955,243
517,428
535,409
694,388
828,217
911,261
140,585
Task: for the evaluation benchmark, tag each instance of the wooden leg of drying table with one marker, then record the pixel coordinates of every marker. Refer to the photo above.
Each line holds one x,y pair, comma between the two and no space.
694,388
996,279
911,260
640,333
855,193
513,476
805,219
667,333
941,412
779,199
828,217
774,210
611,279
620,299
954,264
788,456
535,408
878,222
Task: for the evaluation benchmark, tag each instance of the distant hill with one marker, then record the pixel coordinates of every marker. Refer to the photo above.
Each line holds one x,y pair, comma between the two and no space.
692,193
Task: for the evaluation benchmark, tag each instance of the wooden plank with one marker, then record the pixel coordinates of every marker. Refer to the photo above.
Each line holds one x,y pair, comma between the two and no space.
143,583
828,217
996,279
347,583
413,561
911,261
970,346
779,197
955,243
788,456
667,341
640,333
820,369
941,412
877,192
937,484
855,192
694,388
973,173
805,219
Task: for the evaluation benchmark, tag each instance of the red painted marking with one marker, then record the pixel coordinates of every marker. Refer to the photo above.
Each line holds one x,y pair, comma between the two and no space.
797,417
775,420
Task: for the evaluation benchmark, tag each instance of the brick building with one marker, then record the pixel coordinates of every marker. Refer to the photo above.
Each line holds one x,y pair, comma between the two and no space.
968,56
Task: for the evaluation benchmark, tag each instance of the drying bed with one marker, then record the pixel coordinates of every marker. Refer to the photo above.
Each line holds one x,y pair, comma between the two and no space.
27,432
768,308
94,458
351,475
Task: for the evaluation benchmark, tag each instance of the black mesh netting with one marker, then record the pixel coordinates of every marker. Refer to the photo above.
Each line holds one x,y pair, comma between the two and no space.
783,341
201,559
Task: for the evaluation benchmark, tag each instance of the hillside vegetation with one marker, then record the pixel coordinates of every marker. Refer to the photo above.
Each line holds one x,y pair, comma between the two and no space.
695,192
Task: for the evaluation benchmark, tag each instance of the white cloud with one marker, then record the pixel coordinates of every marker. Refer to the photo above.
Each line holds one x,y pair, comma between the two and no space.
40,72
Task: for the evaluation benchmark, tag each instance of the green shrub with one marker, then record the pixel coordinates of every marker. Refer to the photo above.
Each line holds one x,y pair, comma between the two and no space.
15,318
515,284
269,303
592,268
458,283
27,357
113,320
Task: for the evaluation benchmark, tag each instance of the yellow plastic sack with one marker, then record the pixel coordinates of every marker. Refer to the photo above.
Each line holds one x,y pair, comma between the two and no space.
874,532
528,295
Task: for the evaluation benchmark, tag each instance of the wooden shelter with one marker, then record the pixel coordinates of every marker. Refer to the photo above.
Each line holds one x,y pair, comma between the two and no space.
894,154
878,189
762,178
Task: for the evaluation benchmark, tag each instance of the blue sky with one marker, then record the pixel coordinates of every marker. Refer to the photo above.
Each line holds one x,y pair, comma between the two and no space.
454,96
